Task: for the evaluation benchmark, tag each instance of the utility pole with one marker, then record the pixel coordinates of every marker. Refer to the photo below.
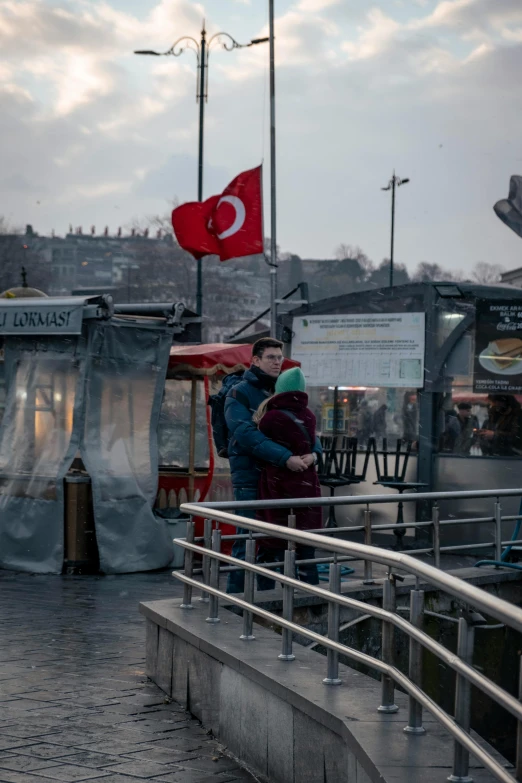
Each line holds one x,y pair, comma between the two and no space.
395,181
273,210
202,50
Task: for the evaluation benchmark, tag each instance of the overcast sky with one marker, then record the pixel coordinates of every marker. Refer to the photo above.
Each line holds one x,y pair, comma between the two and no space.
91,134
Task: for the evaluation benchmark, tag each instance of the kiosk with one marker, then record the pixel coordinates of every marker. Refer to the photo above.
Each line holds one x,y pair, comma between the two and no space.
83,385
189,467
396,363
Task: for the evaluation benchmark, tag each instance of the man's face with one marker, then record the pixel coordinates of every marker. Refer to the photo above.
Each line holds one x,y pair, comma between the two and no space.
464,413
270,362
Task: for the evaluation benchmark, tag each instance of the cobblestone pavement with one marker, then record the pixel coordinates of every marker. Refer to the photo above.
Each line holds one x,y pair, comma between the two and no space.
75,703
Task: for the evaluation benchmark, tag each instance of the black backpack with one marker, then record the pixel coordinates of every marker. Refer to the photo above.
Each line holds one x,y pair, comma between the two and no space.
217,416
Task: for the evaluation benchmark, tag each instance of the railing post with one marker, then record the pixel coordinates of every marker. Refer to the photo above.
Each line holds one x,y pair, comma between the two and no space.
435,518
213,607
189,566
518,760
332,656
498,530
415,665
248,617
388,634
292,524
463,703
207,541
368,578
288,607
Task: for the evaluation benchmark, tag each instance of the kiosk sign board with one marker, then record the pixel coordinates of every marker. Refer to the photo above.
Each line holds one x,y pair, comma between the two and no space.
41,316
498,347
377,349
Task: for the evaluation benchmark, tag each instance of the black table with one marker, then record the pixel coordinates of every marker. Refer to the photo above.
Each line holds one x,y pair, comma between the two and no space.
401,486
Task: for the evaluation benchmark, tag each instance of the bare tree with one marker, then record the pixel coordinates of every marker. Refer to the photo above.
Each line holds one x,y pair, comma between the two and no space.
486,273
344,251
427,273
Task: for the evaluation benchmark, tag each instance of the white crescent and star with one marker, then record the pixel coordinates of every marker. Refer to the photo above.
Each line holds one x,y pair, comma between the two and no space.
239,218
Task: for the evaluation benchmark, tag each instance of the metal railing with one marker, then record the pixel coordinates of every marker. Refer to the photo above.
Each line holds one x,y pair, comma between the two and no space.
474,600
435,525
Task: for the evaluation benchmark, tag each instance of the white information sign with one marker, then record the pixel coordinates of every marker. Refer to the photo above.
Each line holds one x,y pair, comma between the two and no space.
382,349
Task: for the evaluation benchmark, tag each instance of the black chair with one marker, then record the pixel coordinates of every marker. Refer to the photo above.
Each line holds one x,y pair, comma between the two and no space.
397,479
338,468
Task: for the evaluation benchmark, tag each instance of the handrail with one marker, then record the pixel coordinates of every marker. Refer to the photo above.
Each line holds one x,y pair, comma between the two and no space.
496,607
461,662
413,690
505,699
351,500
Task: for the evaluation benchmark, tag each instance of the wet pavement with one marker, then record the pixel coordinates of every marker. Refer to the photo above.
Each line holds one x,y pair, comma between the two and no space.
75,703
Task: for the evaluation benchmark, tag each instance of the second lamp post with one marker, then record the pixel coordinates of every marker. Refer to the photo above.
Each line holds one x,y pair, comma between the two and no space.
395,181
202,50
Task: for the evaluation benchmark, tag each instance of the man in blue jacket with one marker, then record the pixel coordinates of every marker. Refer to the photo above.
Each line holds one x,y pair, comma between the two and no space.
248,446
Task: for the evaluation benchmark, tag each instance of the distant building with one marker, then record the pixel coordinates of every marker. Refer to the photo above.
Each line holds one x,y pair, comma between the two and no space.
140,267
81,260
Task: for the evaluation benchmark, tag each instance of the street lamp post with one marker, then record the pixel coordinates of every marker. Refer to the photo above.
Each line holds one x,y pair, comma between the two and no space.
395,181
202,50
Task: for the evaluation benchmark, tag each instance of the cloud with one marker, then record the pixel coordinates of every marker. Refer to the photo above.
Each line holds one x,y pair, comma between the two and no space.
380,31
313,6
99,135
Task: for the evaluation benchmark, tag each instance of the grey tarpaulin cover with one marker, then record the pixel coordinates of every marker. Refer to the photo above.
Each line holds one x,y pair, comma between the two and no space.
98,393
37,446
125,373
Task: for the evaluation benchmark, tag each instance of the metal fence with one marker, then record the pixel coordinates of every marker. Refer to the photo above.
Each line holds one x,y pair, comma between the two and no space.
475,602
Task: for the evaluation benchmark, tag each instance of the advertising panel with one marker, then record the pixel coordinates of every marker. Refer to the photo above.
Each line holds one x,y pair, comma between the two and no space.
381,349
498,347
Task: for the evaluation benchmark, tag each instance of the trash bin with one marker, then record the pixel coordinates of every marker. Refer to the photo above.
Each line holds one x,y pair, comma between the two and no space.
177,523
80,547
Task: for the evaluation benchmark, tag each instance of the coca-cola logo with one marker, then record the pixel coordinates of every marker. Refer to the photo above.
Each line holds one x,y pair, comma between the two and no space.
510,327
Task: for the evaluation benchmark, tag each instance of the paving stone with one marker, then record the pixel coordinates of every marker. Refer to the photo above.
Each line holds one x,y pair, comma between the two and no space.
161,756
75,703
8,776
45,751
69,773
115,748
140,769
26,732
25,763
207,764
119,779
92,759
8,743
195,777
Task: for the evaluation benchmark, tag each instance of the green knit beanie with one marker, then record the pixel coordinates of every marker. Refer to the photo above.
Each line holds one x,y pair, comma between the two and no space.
291,381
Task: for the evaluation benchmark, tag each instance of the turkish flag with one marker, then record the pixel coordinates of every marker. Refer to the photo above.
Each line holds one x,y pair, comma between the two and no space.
229,225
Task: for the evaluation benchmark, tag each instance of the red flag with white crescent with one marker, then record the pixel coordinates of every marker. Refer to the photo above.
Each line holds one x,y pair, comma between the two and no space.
229,225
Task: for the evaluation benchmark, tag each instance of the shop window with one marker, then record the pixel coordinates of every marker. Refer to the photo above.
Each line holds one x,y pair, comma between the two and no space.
174,426
366,413
477,425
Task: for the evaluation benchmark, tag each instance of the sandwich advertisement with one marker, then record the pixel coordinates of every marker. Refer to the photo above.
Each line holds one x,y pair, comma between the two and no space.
498,347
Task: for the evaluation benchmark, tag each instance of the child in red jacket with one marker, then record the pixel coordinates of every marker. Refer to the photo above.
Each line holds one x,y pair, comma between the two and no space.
286,419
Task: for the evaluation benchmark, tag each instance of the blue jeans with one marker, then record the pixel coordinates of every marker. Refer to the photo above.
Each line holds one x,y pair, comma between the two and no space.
236,579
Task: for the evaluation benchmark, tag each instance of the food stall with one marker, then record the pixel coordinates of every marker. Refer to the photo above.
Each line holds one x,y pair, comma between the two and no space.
189,467
396,363
83,388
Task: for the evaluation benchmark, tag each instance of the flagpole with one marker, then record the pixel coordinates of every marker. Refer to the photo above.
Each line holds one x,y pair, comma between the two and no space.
273,232
202,99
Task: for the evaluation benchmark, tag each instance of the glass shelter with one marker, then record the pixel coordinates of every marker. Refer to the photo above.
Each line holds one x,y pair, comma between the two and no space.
437,365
